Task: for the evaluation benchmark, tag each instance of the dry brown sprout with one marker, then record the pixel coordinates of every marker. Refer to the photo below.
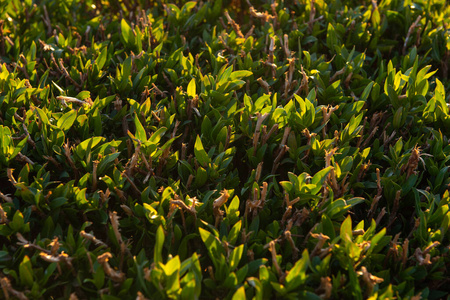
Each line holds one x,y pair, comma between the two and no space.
5,198
264,16
180,204
410,31
211,273
413,162
380,216
189,181
338,190
405,252
393,250
73,296
393,215
326,113
24,158
264,85
270,58
114,218
104,196
258,171
299,217
377,198
358,232
287,130
127,210
8,289
135,189
3,218
295,250
250,255
276,162
287,53
338,73
233,24
9,173
94,175
429,248
289,207
273,252
266,135
256,205
317,251
387,139
53,161
228,138
68,155
417,297
369,138
131,164
303,84
325,288
289,82
140,296
369,279
115,276
218,213
67,75
92,238
347,84
245,236
309,137
49,256
260,119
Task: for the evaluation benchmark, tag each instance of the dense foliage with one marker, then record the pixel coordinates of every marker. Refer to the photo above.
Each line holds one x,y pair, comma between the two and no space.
224,149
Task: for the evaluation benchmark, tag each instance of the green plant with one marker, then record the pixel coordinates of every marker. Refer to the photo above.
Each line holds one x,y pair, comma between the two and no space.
224,149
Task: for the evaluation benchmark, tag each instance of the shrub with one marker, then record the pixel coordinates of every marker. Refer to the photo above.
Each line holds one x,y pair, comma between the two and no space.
224,149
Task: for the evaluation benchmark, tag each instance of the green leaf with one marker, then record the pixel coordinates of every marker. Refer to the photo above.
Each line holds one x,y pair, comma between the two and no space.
140,131
240,74
157,135
331,37
200,153
365,94
235,257
127,32
191,89
66,121
42,115
18,148
126,71
26,272
17,222
239,294
83,95
297,275
101,59
61,91
106,162
201,177
346,230
157,255
99,277
172,274
319,178
234,232
224,76
214,247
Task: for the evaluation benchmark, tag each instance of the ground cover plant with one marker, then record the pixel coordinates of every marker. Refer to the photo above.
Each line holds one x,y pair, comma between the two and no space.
224,149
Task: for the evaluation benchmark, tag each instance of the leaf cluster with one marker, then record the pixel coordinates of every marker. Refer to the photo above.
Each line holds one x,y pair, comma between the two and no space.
224,149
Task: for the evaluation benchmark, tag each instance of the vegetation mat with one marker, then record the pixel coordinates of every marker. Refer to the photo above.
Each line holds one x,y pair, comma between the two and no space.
224,149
